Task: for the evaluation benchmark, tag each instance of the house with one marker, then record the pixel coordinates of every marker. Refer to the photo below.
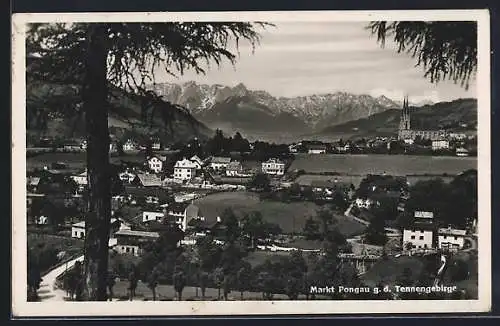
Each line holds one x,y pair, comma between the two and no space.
273,166
293,148
421,233
316,149
129,146
449,238
127,176
184,170
440,144
80,179
457,136
155,163
343,148
365,203
329,187
42,220
112,147
33,183
461,152
409,141
132,242
83,144
78,229
152,216
234,169
182,213
218,162
147,180
198,161
155,144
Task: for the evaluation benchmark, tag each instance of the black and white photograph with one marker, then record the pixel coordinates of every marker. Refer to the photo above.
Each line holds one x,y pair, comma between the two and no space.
248,163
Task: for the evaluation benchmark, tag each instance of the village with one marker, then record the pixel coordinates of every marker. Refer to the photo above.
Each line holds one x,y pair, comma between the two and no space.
170,188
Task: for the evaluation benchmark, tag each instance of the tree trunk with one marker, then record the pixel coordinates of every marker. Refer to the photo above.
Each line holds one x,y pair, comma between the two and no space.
154,293
99,202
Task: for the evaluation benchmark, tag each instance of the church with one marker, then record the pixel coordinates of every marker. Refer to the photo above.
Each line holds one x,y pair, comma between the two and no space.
406,132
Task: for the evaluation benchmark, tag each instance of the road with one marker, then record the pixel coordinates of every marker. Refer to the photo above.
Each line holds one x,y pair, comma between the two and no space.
48,291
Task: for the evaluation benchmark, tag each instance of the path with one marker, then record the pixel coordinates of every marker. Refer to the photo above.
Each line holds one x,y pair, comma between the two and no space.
48,290
390,231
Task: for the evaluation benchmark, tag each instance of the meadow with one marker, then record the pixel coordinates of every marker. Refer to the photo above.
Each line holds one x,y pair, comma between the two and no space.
290,217
379,164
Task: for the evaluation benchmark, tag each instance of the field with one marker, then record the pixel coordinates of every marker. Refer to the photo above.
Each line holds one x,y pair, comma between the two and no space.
306,179
289,216
69,245
378,164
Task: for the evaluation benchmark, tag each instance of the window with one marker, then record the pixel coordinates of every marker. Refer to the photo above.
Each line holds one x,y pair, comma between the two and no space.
81,234
444,237
128,249
413,237
421,231
425,246
456,238
421,237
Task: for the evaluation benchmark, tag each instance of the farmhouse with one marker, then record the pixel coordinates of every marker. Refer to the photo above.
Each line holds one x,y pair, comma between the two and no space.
155,163
127,176
421,233
449,238
440,144
273,166
184,170
234,169
218,162
80,179
132,241
461,152
129,146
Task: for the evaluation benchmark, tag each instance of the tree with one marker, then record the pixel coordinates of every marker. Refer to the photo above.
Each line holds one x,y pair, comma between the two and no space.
218,278
375,232
153,282
133,279
311,229
231,225
204,278
260,182
243,277
111,283
253,227
98,58
446,50
179,280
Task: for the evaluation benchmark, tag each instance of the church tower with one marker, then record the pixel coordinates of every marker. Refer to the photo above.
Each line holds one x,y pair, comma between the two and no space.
404,123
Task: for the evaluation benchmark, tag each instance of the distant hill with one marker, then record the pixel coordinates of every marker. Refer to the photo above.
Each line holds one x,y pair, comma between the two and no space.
53,110
443,115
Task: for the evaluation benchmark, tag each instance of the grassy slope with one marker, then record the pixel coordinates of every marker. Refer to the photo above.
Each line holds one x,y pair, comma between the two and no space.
288,216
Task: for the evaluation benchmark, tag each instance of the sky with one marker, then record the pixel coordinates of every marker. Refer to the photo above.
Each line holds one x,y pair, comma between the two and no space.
305,58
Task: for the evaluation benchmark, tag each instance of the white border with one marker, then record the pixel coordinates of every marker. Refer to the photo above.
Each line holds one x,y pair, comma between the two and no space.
22,308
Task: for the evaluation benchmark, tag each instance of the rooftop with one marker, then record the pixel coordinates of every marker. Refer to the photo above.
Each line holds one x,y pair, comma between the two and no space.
149,180
134,233
450,231
220,159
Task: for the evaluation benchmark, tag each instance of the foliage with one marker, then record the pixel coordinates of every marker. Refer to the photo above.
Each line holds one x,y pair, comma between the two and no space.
260,181
446,50
311,229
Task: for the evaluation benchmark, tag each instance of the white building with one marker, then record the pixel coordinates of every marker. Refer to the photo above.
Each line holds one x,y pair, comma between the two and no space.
80,179
155,163
365,203
273,167
131,241
440,144
127,176
129,146
420,238
461,151
78,229
184,170
449,238
421,234
234,169
182,213
218,162
458,136
152,216
409,141
316,149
